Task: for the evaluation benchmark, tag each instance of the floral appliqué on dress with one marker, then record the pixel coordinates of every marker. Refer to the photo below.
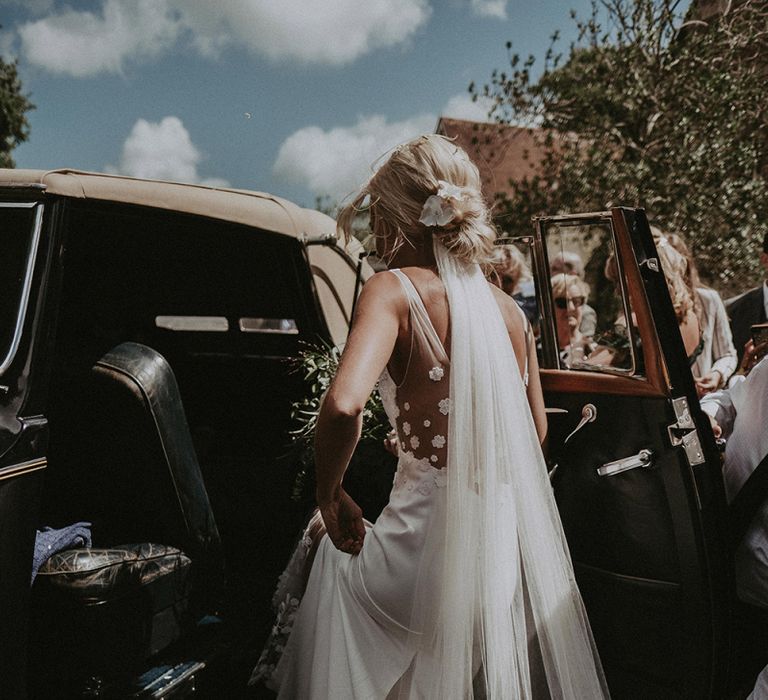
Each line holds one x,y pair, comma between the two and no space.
438,441
417,474
436,374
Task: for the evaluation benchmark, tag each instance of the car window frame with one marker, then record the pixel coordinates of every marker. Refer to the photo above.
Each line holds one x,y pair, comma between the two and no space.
655,382
551,357
29,269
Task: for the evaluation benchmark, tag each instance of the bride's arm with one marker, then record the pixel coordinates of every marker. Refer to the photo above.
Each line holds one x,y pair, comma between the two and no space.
524,343
368,349
535,393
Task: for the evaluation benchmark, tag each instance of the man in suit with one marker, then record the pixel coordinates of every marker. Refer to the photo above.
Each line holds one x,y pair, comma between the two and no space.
748,308
740,414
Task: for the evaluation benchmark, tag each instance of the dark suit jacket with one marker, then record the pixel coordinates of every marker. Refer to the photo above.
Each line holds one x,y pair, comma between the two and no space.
743,311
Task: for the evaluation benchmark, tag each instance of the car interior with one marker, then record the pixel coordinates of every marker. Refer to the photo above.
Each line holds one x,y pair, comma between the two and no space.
169,416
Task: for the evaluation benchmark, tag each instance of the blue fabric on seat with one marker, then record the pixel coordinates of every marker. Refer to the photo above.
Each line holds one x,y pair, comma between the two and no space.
49,542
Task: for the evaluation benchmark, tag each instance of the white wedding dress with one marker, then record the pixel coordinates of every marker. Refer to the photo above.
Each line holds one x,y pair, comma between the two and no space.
424,612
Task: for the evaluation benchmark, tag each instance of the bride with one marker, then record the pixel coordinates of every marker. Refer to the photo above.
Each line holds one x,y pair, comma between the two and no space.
464,586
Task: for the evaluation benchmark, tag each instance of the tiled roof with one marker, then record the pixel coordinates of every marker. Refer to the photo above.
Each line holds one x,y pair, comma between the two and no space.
502,153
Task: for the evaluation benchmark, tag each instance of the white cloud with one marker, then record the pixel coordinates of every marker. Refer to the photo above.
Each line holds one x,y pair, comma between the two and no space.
338,161
162,151
85,43
490,8
462,107
332,32
335,32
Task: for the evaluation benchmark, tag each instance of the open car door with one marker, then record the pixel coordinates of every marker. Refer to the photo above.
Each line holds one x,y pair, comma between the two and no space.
636,473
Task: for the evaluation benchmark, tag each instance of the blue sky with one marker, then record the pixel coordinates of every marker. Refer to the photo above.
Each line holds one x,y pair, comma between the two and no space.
292,97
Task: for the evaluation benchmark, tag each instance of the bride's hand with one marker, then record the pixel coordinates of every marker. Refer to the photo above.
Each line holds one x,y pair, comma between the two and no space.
390,443
343,520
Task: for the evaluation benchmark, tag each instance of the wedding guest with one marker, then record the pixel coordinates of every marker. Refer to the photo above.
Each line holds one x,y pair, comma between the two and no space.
749,308
570,263
570,294
740,414
717,360
674,266
512,274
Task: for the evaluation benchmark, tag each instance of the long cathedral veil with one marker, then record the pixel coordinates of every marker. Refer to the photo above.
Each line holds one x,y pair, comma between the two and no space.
506,614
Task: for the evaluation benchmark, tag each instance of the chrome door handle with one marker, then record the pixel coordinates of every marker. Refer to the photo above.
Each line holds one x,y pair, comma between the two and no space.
643,459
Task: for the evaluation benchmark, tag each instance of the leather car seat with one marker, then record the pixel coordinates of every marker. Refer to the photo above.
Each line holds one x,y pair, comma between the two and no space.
153,475
125,462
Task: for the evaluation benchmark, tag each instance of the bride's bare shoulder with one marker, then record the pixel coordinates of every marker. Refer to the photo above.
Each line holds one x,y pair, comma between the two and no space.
383,284
382,289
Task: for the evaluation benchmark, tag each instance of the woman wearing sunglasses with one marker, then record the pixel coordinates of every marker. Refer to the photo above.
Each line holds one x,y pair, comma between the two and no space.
570,293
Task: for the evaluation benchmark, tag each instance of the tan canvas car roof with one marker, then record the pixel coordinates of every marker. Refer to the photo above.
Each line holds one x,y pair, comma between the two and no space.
334,278
258,209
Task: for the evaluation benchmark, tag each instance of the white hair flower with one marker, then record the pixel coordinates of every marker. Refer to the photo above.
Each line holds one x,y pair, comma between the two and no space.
440,209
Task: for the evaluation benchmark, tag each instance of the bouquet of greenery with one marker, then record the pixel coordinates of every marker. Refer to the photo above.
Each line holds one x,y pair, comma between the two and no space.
318,365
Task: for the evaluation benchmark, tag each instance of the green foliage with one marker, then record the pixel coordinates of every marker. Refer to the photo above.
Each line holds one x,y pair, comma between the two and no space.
648,109
327,205
14,127
318,365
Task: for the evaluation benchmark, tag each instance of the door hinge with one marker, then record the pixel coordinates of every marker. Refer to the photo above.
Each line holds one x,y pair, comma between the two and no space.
683,432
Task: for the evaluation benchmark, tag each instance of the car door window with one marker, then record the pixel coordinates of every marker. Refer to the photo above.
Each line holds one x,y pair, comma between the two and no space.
20,230
587,321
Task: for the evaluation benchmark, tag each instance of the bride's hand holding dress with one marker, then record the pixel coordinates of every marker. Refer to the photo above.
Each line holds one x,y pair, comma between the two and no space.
343,520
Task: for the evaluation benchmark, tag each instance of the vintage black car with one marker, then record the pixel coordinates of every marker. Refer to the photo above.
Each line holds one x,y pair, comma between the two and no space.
144,389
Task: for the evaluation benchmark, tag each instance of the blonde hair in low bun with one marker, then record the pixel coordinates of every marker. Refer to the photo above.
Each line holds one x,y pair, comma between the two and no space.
471,236
401,186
